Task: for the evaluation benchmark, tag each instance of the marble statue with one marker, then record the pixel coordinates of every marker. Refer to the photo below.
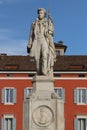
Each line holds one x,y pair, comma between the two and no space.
41,45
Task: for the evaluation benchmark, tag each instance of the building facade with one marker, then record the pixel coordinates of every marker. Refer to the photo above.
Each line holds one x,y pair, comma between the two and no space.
70,83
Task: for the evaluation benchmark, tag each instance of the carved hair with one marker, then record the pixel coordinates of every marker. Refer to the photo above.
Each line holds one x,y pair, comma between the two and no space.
41,9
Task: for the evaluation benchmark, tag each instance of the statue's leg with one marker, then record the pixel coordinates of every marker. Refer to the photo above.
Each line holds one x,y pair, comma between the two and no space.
38,64
44,57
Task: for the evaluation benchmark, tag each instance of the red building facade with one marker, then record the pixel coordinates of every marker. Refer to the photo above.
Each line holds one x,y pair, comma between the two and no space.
70,82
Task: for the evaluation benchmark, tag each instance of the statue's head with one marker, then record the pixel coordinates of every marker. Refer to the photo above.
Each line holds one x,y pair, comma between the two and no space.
41,13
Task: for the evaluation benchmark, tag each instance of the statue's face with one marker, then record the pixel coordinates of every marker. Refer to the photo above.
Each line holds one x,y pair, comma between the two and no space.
41,14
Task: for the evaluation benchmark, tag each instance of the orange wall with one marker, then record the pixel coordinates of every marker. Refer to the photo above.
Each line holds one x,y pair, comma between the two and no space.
69,75
70,108
16,109
14,75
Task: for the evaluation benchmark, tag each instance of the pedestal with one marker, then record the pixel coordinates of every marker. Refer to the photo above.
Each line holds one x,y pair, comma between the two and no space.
43,109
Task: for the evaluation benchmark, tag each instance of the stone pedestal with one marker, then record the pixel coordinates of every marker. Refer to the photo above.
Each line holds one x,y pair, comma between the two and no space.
43,109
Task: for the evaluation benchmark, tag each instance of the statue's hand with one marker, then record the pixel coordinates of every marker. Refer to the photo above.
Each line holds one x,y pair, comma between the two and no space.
54,59
28,48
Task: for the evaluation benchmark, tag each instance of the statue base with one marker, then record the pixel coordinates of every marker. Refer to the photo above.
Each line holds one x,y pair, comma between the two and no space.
43,109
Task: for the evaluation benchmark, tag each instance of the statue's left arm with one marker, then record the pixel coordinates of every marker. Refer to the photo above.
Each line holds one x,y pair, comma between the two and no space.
50,37
50,26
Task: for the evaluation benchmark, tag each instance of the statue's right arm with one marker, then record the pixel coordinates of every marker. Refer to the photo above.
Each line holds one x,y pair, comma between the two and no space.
31,37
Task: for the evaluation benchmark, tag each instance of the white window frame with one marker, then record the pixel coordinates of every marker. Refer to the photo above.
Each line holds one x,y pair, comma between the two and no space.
8,116
5,102
3,121
76,125
62,94
76,96
9,96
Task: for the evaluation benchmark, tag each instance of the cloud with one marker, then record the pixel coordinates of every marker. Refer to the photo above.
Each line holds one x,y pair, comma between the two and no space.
12,46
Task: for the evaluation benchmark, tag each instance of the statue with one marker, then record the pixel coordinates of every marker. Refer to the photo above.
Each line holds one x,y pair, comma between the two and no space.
41,45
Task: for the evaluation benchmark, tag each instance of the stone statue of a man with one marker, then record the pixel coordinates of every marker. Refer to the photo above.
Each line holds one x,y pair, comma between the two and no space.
41,45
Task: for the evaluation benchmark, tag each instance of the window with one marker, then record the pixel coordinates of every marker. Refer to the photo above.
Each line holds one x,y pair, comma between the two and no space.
32,60
81,75
8,95
31,74
58,52
61,92
80,123
80,95
57,75
12,67
8,123
76,67
27,91
9,75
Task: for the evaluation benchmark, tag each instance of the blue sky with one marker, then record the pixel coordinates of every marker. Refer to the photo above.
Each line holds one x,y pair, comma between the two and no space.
70,22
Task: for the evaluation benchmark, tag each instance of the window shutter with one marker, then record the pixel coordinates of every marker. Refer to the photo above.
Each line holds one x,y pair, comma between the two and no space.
86,123
25,93
14,95
14,124
56,91
86,96
75,124
75,95
78,96
63,94
3,95
3,124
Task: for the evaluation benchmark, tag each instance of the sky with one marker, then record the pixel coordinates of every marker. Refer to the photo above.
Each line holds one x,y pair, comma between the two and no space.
69,17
